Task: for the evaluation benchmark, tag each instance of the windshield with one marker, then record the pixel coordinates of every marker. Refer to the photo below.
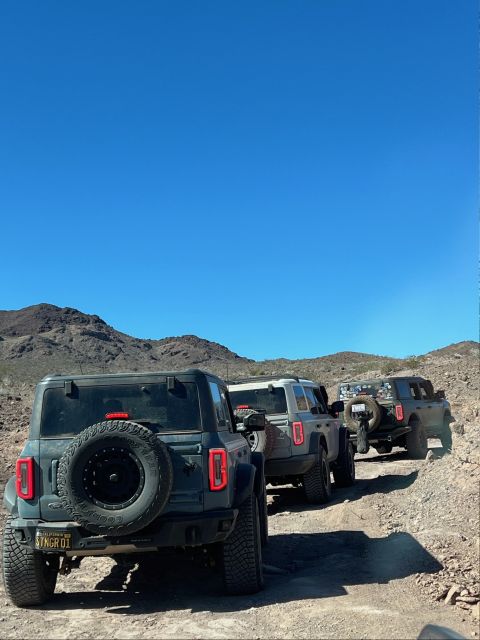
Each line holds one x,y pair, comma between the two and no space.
162,409
379,389
270,401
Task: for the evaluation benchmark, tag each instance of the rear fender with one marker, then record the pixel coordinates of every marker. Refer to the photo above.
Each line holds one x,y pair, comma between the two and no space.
10,499
343,441
316,439
245,482
258,460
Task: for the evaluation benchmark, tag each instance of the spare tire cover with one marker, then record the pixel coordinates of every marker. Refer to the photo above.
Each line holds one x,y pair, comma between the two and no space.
373,409
115,477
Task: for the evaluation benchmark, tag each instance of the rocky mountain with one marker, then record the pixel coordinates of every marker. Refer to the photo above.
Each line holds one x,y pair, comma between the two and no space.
44,338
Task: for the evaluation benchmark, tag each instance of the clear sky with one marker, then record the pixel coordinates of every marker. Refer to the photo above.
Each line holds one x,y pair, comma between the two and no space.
289,178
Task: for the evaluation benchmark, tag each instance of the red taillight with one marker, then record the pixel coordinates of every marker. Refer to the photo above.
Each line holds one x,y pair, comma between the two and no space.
243,406
298,437
217,469
25,481
399,412
117,416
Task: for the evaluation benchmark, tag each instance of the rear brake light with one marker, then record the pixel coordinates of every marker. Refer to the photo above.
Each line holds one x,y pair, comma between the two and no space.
298,437
25,480
117,416
399,412
243,406
217,469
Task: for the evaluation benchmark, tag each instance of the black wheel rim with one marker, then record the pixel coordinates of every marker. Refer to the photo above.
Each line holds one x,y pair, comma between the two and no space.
113,478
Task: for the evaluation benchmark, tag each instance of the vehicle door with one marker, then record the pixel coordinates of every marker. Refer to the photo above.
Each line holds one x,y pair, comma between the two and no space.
438,408
329,426
430,407
419,405
235,444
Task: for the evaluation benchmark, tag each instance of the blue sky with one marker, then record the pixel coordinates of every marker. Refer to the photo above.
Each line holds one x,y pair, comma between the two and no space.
288,178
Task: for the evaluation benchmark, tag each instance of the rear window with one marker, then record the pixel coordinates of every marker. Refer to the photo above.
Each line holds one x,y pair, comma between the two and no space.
270,401
379,389
162,409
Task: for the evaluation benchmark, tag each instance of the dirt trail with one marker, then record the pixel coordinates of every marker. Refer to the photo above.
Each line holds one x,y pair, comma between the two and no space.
343,571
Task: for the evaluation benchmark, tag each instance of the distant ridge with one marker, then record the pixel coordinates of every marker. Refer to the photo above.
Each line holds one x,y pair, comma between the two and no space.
42,338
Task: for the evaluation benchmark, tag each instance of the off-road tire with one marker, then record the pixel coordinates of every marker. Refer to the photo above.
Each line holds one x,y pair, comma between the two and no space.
416,441
384,448
152,456
316,482
263,514
344,472
373,408
29,576
242,552
446,435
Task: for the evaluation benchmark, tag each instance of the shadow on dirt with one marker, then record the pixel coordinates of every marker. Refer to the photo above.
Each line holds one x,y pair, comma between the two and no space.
293,499
398,455
298,567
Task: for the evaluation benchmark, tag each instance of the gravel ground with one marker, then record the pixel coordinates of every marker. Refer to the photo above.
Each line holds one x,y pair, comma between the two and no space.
352,569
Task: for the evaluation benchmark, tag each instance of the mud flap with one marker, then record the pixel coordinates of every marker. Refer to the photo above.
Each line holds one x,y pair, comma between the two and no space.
362,437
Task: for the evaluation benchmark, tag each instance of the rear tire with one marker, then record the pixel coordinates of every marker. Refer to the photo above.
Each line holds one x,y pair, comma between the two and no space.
29,576
263,514
344,475
446,435
242,552
417,443
316,482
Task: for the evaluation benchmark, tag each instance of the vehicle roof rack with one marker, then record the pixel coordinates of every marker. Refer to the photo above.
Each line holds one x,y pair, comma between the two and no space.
285,376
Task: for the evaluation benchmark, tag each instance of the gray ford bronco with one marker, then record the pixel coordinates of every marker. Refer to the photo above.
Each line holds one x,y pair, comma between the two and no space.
303,440
398,411
116,464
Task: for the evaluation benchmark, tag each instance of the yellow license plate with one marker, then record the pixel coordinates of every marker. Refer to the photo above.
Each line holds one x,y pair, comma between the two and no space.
46,540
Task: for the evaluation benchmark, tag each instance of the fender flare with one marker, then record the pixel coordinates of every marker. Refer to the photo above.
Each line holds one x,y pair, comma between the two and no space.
10,498
316,441
258,460
244,482
343,441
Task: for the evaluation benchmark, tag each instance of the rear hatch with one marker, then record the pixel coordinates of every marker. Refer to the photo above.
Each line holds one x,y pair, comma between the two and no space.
381,390
273,402
172,413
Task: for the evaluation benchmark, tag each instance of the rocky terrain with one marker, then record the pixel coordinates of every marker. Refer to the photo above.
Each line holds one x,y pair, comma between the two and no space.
399,549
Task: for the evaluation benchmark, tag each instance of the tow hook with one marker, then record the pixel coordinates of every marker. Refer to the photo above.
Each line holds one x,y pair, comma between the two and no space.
68,564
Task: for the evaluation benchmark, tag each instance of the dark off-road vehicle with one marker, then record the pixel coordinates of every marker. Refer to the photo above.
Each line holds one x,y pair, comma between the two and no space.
303,440
398,411
122,463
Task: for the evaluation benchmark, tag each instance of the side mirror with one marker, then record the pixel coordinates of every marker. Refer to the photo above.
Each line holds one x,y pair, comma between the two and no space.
255,422
337,407
440,394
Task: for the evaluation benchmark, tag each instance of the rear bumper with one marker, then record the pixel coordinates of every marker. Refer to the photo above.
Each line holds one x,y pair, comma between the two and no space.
294,466
174,531
383,436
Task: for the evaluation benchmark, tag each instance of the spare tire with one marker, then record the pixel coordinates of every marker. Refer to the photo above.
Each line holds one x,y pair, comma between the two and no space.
373,410
261,441
115,477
